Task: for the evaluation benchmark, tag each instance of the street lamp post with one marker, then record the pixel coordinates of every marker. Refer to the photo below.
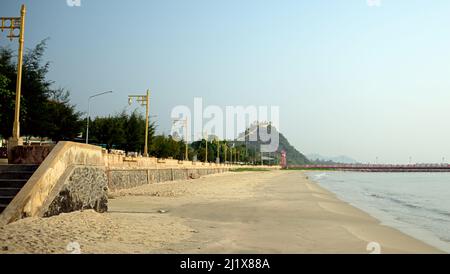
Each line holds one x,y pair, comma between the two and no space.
206,150
225,148
186,154
89,112
144,100
231,155
218,151
14,24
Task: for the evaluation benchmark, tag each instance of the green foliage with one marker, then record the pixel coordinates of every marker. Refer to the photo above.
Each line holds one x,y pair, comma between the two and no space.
294,157
121,131
45,112
134,128
7,92
249,169
109,131
200,149
6,104
165,147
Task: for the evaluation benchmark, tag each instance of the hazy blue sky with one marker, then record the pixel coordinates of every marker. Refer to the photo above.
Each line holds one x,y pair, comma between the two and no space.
349,79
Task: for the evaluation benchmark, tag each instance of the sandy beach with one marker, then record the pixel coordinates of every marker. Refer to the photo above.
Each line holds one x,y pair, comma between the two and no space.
244,212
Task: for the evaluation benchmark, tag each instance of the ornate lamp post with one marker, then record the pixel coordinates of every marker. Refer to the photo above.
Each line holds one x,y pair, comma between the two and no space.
12,24
144,100
186,154
206,148
218,151
225,148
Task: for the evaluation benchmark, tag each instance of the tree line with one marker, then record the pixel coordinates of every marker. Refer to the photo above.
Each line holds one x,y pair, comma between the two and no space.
46,112
126,132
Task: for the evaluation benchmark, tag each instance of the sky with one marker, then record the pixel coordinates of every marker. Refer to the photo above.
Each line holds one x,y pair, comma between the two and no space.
350,78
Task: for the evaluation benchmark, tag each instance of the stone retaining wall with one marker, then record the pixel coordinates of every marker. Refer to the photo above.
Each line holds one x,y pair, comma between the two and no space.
77,176
71,177
86,187
129,178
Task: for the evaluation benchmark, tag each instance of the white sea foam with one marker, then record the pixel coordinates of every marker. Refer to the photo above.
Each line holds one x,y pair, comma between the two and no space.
415,203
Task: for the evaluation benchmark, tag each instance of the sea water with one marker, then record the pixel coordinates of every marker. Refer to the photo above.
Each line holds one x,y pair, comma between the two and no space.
417,204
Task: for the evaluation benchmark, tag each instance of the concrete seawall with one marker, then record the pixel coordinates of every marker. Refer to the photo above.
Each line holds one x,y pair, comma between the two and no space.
72,177
125,172
77,176
129,178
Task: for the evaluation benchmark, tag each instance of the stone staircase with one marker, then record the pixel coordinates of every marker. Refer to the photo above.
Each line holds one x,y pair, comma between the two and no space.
12,179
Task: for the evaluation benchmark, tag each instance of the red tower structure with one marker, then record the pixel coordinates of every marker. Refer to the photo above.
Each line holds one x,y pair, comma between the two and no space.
283,159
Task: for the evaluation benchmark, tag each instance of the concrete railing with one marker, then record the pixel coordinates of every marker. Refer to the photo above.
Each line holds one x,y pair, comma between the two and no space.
51,177
76,176
126,172
113,161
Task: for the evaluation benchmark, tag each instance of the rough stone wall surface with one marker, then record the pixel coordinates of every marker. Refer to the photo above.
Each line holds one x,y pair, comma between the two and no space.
85,188
128,179
124,179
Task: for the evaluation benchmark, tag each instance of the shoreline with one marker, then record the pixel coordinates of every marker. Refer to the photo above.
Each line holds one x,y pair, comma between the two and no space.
276,212
387,220
379,221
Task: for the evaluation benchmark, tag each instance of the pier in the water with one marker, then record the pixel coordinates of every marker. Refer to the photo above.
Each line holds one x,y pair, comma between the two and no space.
378,168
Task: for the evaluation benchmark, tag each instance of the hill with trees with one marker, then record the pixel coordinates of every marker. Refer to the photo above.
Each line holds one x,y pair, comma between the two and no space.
294,157
47,112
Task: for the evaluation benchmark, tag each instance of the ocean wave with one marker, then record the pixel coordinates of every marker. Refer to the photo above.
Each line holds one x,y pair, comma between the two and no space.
412,206
443,213
320,176
395,200
409,202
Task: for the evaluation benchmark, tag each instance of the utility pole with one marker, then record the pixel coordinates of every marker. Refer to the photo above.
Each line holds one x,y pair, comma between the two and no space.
186,154
225,152
144,100
218,151
89,112
14,24
186,151
206,148
231,155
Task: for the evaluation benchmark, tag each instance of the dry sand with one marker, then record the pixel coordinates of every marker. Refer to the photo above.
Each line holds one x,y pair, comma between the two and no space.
249,212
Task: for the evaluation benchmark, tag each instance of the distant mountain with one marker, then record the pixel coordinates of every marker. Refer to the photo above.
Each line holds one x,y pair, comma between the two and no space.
338,159
294,157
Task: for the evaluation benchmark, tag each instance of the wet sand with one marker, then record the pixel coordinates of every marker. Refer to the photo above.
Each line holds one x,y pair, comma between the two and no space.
249,212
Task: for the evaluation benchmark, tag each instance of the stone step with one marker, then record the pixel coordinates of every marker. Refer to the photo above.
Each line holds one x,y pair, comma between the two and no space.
12,179
16,174
9,191
6,168
16,183
2,207
6,199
